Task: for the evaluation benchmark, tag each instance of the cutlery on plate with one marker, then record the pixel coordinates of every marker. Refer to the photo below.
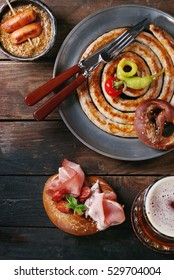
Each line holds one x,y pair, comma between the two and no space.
83,69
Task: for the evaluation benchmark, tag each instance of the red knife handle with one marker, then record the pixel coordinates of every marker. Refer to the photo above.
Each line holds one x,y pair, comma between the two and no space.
39,93
44,110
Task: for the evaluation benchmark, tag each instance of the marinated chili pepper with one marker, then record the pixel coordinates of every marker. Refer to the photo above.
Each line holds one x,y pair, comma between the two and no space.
131,67
139,82
133,82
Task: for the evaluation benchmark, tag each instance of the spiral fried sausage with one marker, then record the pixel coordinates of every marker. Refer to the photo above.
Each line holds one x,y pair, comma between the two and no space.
152,52
151,117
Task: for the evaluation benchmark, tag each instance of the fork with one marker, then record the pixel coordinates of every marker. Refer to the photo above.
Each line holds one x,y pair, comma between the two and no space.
107,53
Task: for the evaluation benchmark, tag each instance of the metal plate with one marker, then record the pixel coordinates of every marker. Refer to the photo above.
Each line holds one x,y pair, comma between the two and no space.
76,42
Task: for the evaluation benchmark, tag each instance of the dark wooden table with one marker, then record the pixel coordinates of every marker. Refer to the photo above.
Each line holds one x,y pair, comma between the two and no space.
31,151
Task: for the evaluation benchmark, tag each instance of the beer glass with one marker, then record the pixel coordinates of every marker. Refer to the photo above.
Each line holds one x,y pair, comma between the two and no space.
152,215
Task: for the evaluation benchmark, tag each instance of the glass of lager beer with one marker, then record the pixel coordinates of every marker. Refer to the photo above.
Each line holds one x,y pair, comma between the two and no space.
152,215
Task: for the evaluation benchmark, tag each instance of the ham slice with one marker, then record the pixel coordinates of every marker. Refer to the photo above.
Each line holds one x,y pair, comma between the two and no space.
102,206
94,190
114,213
105,212
76,167
69,181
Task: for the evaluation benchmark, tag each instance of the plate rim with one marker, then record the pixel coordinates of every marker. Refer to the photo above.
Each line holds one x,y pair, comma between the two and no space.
60,51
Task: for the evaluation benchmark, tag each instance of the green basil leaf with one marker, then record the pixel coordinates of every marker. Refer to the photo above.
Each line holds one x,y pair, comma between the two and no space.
72,203
82,206
69,205
78,210
71,200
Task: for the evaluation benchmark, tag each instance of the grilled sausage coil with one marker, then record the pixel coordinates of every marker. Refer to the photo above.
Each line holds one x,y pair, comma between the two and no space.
151,51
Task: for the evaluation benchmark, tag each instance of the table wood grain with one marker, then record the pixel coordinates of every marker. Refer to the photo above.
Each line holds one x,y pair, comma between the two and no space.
31,151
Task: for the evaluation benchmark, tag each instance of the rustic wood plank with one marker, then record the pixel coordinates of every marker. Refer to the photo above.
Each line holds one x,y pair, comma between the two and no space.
20,79
39,148
25,192
69,13
28,234
43,243
31,151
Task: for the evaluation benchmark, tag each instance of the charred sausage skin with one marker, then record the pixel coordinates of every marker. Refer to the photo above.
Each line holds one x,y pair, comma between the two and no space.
19,20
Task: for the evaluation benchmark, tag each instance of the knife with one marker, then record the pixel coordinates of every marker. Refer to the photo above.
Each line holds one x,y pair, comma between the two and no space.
83,69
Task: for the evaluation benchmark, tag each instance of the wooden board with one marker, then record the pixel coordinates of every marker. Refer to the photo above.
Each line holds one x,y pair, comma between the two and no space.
39,148
31,151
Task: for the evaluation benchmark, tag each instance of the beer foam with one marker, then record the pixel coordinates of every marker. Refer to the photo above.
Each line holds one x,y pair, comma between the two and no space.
159,205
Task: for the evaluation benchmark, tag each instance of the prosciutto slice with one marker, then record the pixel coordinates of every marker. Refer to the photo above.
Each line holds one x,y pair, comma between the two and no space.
76,167
105,212
69,181
102,206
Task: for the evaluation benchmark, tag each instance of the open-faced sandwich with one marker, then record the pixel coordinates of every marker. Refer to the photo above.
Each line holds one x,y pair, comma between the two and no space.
80,205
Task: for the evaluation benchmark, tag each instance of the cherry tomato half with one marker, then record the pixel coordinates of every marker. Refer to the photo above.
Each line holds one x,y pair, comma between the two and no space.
110,89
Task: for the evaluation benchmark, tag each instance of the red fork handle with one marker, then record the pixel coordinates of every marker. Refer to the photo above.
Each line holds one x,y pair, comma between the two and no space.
44,110
39,93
